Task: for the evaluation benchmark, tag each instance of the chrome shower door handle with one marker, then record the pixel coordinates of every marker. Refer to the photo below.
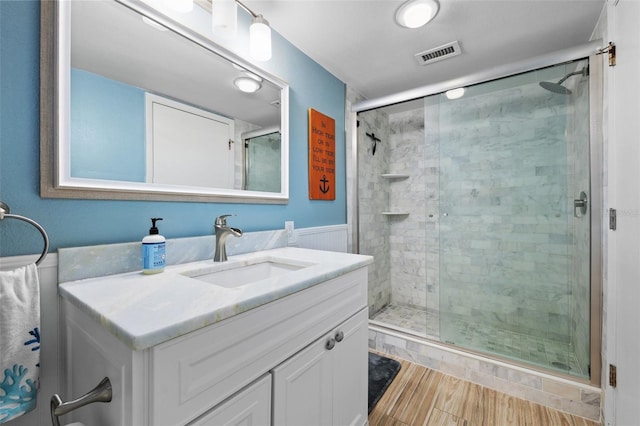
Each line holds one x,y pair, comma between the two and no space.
580,205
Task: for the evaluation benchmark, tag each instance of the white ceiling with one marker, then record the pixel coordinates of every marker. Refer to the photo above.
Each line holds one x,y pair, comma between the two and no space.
359,42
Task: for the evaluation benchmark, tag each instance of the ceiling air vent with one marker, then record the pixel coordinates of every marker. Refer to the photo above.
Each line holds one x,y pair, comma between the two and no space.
439,53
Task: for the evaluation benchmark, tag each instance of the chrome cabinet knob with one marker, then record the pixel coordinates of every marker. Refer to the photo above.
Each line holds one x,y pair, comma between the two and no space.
339,336
330,343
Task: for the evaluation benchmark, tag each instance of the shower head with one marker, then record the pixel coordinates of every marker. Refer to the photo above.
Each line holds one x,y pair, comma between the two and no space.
558,87
555,88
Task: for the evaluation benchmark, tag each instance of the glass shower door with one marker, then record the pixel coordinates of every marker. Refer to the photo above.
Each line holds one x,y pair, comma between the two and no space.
262,162
513,244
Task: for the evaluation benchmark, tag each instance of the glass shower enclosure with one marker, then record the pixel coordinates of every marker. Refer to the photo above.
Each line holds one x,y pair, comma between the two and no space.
262,152
477,212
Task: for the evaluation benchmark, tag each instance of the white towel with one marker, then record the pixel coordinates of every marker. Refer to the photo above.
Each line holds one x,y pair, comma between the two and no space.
19,341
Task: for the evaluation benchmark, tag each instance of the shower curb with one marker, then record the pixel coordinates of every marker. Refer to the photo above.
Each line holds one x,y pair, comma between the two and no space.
562,394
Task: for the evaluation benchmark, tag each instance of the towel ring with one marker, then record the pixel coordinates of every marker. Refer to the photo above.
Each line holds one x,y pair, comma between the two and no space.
4,212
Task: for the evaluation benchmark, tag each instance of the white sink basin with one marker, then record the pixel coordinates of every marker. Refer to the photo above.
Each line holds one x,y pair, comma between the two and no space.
231,276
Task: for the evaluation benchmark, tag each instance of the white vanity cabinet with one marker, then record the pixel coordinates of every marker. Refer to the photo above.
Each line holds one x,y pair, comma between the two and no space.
267,365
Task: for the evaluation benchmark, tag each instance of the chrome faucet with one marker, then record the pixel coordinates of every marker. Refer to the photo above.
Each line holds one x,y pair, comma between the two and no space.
222,232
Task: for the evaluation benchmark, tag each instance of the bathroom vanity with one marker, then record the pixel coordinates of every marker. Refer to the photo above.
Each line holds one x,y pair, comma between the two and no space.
274,337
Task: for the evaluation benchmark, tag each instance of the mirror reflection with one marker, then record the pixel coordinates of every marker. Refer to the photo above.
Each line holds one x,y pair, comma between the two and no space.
149,107
262,151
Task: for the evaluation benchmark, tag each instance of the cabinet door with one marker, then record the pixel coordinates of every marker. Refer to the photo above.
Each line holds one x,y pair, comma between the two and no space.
249,407
326,383
350,371
302,387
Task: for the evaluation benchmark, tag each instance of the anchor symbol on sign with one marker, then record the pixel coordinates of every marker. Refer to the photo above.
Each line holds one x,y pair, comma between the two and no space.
324,188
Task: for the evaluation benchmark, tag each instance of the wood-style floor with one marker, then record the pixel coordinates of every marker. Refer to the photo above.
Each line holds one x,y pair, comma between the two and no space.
421,396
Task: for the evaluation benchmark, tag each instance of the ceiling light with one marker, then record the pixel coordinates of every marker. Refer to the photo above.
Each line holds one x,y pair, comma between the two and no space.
260,39
416,13
224,18
248,84
454,93
182,6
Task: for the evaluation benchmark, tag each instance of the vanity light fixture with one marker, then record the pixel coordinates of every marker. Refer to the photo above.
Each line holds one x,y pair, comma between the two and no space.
454,93
182,6
416,13
248,83
260,39
224,16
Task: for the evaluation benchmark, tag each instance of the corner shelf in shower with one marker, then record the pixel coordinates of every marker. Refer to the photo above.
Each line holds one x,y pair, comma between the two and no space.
394,175
395,213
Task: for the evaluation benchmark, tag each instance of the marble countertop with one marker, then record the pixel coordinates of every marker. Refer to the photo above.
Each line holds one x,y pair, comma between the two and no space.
146,310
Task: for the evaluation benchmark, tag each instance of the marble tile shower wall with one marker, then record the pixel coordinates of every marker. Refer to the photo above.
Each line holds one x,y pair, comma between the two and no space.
503,215
373,195
414,275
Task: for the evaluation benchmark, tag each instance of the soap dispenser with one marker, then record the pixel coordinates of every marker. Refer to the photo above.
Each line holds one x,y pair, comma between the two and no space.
153,250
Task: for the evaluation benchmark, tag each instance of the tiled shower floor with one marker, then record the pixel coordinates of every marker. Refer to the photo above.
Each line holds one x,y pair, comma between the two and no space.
534,350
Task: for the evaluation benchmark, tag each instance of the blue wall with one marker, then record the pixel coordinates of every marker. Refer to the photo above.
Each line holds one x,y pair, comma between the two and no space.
107,128
85,222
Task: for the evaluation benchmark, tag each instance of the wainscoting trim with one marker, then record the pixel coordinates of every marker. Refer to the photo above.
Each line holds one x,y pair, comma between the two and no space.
331,238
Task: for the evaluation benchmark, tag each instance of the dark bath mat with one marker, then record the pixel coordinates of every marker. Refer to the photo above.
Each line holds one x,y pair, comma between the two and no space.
382,371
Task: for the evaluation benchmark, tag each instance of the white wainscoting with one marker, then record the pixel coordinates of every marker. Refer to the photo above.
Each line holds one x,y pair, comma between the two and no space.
49,335
330,238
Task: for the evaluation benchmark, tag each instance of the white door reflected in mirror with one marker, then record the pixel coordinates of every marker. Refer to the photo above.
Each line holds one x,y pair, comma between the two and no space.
188,146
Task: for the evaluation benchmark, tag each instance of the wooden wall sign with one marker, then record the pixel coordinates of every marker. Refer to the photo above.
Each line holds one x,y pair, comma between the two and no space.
322,156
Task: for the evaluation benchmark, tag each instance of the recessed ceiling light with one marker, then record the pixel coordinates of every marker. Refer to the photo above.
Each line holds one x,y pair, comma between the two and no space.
416,13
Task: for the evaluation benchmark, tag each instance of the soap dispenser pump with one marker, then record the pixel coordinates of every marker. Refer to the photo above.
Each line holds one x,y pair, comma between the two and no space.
153,250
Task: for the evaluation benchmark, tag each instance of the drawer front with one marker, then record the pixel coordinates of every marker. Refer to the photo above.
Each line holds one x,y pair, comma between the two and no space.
193,373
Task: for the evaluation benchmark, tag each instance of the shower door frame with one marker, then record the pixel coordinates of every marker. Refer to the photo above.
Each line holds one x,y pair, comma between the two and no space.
591,51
